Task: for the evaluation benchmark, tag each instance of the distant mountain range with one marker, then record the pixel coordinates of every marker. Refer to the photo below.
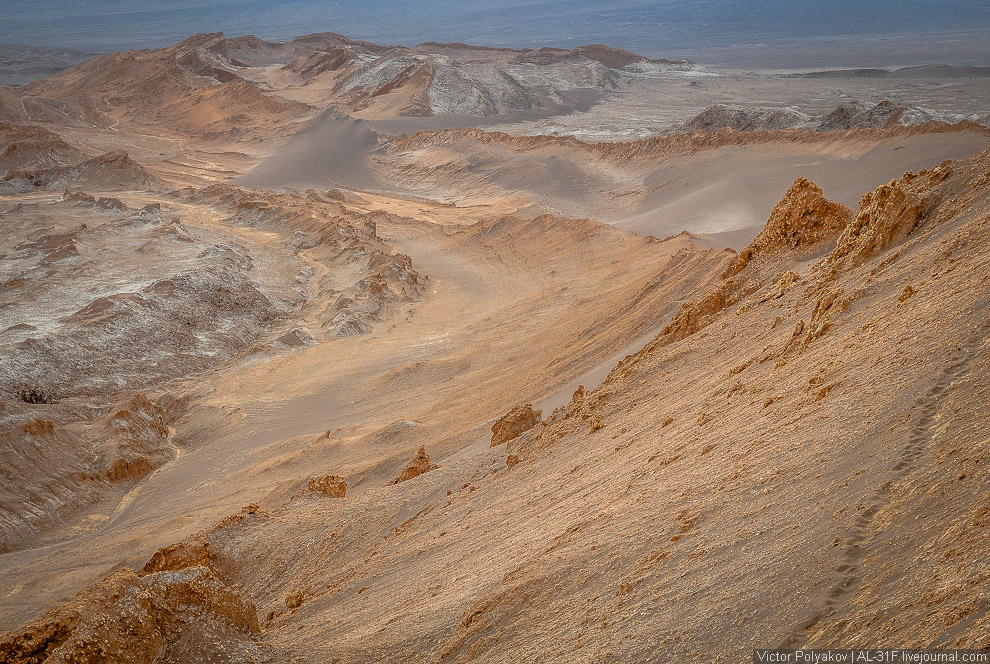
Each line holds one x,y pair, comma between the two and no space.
664,28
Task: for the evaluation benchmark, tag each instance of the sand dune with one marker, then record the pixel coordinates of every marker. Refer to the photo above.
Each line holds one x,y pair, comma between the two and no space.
730,192
331,150
712,185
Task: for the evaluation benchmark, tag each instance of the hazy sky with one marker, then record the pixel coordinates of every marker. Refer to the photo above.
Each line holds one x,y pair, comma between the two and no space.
656,28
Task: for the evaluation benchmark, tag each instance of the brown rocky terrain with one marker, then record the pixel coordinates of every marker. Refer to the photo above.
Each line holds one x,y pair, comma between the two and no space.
28,147
107,172
849,115
514,423
282,383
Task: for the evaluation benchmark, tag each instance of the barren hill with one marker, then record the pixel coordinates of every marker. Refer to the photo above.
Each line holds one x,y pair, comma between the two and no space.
27,147
707,487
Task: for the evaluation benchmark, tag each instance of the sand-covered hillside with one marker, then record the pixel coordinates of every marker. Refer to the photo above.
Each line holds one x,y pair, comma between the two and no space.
327,351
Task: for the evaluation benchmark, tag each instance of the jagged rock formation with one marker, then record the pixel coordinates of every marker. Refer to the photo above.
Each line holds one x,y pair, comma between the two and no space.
33,148
345,242
802,219
111,171
802,224
169,617
333,486
718,116
421,464
514,423
887,215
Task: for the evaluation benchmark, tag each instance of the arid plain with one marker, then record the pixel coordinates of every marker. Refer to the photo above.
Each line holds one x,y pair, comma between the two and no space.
327,351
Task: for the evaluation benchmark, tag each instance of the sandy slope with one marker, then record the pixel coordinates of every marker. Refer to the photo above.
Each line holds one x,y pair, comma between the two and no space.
723,184
731,192
332,150
439,364
788,462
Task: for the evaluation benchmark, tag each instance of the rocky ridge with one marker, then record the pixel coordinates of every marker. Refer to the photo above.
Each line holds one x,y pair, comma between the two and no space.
26,147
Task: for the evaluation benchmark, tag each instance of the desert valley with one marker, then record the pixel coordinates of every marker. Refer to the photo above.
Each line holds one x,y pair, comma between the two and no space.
323,350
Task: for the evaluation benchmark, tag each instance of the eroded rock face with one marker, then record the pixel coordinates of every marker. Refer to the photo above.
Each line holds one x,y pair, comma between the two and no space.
517,421
193,551
887,215
855,115
343,241
802,218
26,147
134,441
333,486
718,116
186,321
112,170
416,467
56,467
168,616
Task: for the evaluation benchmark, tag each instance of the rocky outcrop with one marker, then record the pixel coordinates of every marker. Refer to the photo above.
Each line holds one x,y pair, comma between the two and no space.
24,147
166,617
854,115
80,198
359,307
803,218
739,119
111,204
332,486
347,243
133,441
887,215
194,551
517,421
421,464
109,171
